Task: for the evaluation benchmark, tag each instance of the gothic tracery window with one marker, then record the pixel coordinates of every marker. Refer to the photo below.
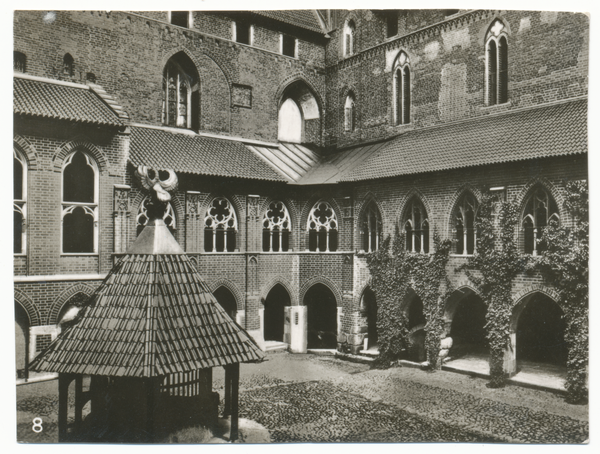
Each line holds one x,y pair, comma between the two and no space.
540,209
276,228
79,204
371,228
20,201
464,225
322,228
220,226
143,217
402,90
180,93
496,55
416,227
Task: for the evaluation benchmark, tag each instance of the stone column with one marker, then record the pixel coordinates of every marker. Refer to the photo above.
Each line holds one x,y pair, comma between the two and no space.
298,334
193,222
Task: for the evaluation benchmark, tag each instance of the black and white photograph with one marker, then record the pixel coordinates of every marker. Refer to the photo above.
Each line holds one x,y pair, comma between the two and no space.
284,225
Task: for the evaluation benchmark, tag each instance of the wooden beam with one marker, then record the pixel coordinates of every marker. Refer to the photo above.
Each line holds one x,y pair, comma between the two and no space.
235,387
227,407
63,405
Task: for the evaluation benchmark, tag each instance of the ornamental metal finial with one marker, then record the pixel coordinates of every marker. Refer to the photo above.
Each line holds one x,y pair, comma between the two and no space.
159,184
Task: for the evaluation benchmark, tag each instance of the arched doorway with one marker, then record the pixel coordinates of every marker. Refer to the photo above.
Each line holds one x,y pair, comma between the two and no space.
71,308
540,333
22,324
467,328
416,329
321,317
274,315
368,312
227,301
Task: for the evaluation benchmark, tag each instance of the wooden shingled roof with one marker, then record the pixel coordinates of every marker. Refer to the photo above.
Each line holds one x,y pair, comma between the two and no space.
153,315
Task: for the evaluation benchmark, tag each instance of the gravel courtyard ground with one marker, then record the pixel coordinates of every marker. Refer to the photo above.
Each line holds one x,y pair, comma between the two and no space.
302,398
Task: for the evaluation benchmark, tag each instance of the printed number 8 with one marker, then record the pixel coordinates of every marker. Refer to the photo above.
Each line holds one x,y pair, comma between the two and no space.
37,425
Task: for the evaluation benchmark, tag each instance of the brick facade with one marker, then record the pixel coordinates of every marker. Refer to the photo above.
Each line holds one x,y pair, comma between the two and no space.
127,53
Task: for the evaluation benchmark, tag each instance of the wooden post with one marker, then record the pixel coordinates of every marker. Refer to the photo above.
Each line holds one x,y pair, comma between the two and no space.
150,402
63,406
78,402
227,409
235,386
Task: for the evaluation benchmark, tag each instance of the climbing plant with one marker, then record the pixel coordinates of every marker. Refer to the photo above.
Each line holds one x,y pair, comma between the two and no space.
493,269
393,272
565,265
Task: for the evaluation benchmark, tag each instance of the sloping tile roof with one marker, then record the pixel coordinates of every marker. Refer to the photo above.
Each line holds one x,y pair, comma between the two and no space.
192,153
304,18
334,167
553,130
58,101
290,160
152,316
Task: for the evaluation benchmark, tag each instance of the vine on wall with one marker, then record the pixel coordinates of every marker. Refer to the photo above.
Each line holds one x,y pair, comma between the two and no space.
565,265
497,263
393,272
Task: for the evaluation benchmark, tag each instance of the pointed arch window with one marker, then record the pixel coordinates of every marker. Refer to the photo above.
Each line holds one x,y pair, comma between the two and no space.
371,228
349,32
496,56
540,209
402,83
220,226
276,228
143,217
79,204
68,65
322,227
416,227
20,201
465,232
181,95
349,113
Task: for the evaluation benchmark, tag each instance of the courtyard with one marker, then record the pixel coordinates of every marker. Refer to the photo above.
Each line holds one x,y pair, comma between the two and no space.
314,398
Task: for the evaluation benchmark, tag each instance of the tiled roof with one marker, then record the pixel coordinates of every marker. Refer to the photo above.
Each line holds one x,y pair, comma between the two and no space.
152,316
553,130
290,160
304,18
60,101
192,153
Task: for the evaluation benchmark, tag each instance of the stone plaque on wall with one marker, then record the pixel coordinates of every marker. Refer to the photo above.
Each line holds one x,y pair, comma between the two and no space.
242,96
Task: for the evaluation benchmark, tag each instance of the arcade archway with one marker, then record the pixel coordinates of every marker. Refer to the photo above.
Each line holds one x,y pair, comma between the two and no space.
227,301
467,329
540,333
368,314
416,329
274,315
321,317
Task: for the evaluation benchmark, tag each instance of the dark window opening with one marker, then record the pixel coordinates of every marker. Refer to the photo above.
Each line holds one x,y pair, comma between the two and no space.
68,65
18,232
289,46
18,179
78,180
242,33
180,18
90,77
391,19
78,231
19,62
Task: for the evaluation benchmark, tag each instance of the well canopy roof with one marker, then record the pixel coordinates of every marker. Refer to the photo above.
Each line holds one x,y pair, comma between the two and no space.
152,316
